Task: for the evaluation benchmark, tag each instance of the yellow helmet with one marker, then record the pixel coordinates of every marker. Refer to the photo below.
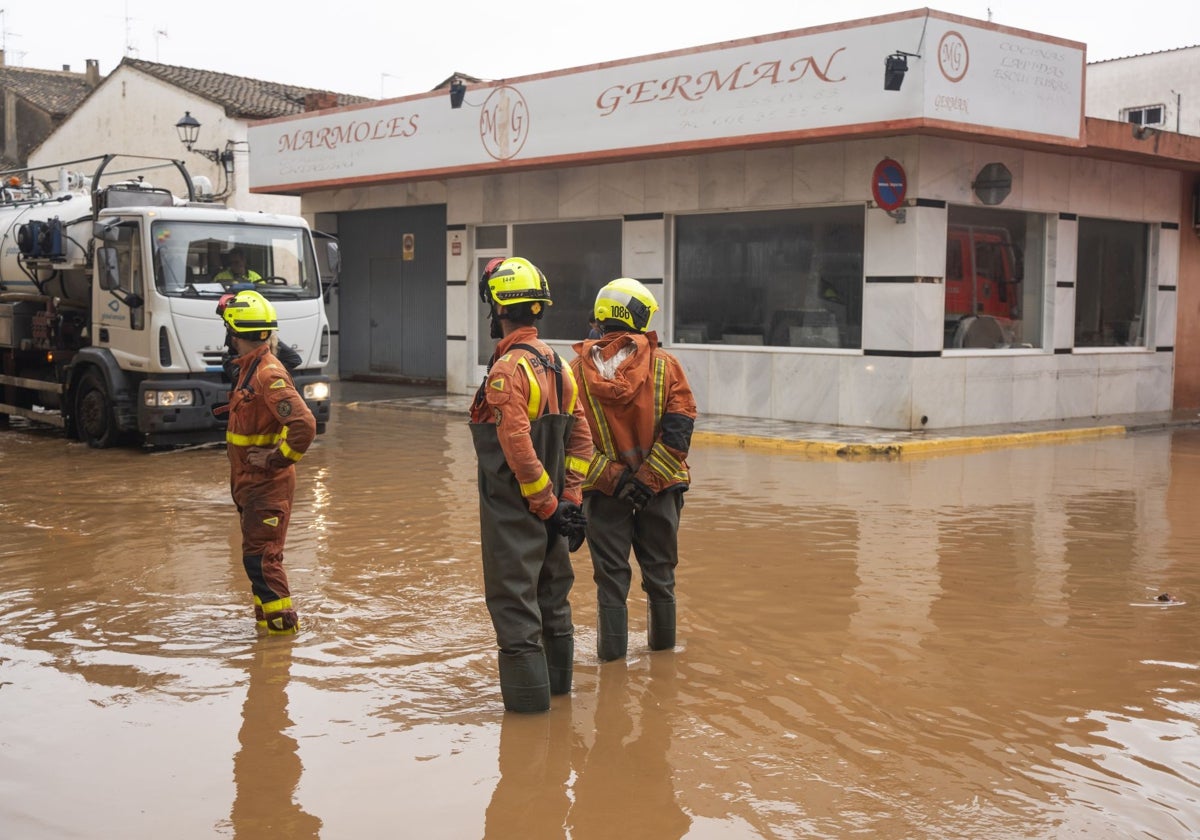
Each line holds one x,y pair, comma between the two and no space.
626,301
248,313
514,280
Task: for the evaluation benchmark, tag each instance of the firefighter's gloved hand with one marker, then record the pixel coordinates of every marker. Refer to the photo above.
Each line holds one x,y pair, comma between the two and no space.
265,458
568,520
220,410
632,490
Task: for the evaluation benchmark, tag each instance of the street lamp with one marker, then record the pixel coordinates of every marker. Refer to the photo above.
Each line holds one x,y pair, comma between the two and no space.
189,130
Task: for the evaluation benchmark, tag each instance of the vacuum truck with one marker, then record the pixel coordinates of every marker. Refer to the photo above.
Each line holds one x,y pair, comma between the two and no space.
108,293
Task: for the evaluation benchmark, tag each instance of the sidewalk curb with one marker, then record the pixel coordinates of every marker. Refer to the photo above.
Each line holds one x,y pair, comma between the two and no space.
891,450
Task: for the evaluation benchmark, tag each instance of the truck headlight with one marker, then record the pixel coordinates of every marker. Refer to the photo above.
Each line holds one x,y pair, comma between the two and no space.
167,399
316,391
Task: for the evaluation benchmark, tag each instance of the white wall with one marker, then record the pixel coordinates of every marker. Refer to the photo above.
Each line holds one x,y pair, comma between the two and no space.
1170,78
847,387
131,113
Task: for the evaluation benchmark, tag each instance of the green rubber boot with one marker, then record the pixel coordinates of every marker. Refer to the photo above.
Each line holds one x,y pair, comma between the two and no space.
524,682
660,625
560,655
612,640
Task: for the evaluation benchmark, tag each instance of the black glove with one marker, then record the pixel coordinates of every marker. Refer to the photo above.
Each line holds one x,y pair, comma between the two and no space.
633,491
569,521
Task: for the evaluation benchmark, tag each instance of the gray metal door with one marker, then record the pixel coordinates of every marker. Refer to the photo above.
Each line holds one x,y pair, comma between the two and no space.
387,300
393,293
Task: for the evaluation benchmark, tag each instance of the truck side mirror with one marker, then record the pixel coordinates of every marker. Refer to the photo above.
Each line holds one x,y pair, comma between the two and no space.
333,257
108,265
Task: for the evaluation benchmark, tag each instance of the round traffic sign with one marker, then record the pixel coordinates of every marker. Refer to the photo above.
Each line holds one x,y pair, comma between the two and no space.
889,184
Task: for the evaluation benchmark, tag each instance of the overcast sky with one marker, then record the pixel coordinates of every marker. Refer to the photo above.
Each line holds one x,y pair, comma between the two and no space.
379,49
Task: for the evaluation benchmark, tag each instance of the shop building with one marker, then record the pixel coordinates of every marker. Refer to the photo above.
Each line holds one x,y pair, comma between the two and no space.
900,222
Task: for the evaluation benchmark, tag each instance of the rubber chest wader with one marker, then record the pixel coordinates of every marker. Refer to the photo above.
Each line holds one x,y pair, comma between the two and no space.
527,575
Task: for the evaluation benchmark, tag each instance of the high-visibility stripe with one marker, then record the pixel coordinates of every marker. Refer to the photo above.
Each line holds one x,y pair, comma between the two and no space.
570,409
660,391
535,486
535,390
253,440
662,462
289,453
595,470
579,465
600,424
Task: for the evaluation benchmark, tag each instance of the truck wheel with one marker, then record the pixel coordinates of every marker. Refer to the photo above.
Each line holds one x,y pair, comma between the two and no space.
95,420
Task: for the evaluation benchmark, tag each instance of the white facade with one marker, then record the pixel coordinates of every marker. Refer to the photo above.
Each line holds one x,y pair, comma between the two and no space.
132,113
782,136
1168,81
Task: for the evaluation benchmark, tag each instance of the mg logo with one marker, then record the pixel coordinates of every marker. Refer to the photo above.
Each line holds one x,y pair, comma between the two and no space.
953,56
504,123
114,305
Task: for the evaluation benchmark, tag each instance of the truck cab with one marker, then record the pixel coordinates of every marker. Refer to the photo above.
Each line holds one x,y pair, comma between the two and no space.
112,326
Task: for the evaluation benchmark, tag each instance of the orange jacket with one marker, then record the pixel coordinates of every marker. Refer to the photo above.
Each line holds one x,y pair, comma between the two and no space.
520,388
265,411
641,413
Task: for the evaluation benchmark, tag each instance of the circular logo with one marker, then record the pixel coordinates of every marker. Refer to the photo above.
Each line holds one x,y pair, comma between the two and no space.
953,56
504,123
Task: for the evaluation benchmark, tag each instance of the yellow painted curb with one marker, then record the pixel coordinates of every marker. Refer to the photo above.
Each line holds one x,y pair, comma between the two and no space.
838,450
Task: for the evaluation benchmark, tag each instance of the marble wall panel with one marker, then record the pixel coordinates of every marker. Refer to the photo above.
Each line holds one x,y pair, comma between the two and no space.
819,173
806,387
938,392
875,392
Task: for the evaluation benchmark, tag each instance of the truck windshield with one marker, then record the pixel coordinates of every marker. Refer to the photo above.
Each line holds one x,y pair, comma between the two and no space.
201,259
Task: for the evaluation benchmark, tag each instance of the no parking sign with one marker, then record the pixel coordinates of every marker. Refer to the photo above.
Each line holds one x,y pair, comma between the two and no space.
889,184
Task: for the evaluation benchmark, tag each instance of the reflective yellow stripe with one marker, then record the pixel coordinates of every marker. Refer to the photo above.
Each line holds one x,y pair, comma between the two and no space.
579,465
254,440
595,470
570,409
660,391
600,424
665,464
533,487
535,390
287,452
277,606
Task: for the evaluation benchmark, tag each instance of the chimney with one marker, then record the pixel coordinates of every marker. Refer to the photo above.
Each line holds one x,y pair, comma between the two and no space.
320,100
93,72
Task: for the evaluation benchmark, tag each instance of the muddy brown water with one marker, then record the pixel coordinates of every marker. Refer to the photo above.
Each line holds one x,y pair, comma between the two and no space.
955,647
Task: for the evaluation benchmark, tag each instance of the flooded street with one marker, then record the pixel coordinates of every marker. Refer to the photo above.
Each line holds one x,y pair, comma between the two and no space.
965,646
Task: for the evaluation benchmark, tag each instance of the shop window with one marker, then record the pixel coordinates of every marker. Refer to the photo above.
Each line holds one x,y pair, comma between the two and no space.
784,278
1111,283
994,279
578,258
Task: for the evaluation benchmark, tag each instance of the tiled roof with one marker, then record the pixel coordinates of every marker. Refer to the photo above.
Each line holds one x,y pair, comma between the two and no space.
57,92
249,99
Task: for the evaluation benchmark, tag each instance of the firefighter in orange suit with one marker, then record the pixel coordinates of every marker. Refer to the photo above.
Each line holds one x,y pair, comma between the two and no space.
270,428
641,412
533,446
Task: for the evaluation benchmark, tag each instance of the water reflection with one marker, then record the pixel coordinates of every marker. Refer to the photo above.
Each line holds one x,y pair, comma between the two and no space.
267,768
532,798
626,785
965,646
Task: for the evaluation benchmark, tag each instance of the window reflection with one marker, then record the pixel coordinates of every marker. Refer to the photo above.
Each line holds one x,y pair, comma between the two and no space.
1110,283
994,278
786,278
